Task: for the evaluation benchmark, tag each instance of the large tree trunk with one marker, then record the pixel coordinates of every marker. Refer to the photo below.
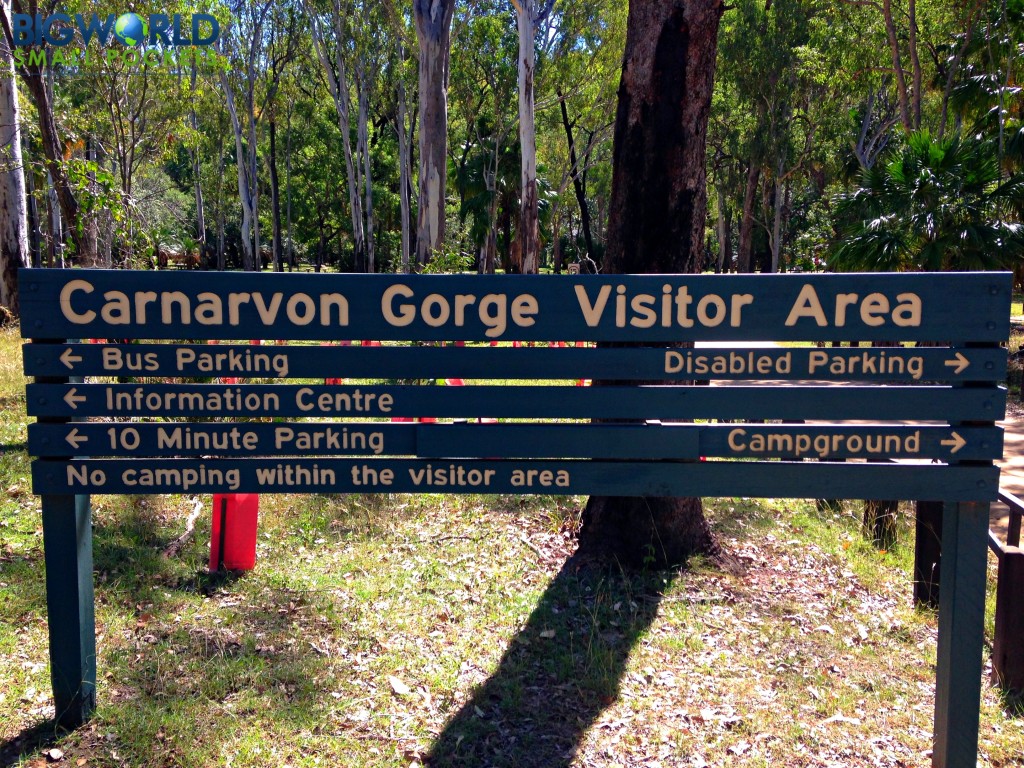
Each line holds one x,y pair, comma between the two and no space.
55,223
777,203
13,216
221,213
656,224
433,31
35,232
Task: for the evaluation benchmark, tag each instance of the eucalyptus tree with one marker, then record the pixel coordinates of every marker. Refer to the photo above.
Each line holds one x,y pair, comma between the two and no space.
586,54
14,252
530,14
433,19
281,48
656,225
342,40
34,76
482,96
404,120
243,43
761,50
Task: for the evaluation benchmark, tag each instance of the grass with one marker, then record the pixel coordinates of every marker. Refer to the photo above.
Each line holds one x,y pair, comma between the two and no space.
397,630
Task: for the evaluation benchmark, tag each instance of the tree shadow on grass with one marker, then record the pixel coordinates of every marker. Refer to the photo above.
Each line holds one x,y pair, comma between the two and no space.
194,681
560,672
34,739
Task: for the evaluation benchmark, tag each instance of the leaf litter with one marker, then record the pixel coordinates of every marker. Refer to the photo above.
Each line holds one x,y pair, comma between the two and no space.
370,637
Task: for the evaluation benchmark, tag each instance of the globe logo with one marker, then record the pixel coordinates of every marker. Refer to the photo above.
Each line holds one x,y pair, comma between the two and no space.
130,29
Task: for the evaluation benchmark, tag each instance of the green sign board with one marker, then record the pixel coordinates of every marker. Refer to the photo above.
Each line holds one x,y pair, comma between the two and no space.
350,361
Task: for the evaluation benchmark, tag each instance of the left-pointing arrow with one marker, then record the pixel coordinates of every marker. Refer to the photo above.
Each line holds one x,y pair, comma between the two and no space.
72,398
75,439
69,358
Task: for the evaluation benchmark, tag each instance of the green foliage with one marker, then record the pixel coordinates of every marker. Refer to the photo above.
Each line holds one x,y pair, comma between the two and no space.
448,262
932,204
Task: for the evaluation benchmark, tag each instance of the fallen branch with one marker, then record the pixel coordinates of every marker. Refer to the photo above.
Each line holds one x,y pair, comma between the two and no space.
178,544
528,543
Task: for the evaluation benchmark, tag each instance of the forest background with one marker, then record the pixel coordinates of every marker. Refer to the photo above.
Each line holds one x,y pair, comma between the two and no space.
373,136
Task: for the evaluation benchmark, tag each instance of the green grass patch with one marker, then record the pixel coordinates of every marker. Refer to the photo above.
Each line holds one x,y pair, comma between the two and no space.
392,630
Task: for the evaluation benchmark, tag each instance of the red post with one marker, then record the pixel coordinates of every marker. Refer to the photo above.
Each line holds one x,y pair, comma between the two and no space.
233,533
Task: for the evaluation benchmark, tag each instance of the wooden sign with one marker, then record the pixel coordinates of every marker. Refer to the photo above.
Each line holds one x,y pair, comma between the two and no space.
60,304
581,441
908,422
550,402
884,364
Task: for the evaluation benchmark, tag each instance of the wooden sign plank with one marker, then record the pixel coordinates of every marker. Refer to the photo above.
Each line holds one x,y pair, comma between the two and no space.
925,364
584,441
724,478
939,403
225,305
690,441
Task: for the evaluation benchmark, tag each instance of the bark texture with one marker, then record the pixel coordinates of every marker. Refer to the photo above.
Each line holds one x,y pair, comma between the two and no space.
656,224
745,261
53,147
13,217
433,32
578,181
527,18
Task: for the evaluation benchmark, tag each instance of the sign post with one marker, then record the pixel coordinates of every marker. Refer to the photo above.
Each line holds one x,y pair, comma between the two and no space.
931,409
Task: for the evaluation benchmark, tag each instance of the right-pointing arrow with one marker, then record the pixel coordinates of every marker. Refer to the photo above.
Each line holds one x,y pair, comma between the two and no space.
960,363
72,398
75,439
957,442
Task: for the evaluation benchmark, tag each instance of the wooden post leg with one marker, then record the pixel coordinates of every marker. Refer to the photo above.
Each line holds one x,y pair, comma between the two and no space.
961,635
67,544
1008,644
927,553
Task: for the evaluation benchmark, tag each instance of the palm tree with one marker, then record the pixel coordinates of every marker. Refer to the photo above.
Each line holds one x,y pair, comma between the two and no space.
933,204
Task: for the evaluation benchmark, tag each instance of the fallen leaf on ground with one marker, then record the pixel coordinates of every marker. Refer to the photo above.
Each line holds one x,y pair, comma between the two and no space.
398,686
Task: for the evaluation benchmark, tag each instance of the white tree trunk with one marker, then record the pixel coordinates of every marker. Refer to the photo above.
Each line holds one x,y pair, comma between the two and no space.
529,204
362,122
56,224
14,252
404,163
253,162
288,189
196,168
723,234
777,218
242,165
337,83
